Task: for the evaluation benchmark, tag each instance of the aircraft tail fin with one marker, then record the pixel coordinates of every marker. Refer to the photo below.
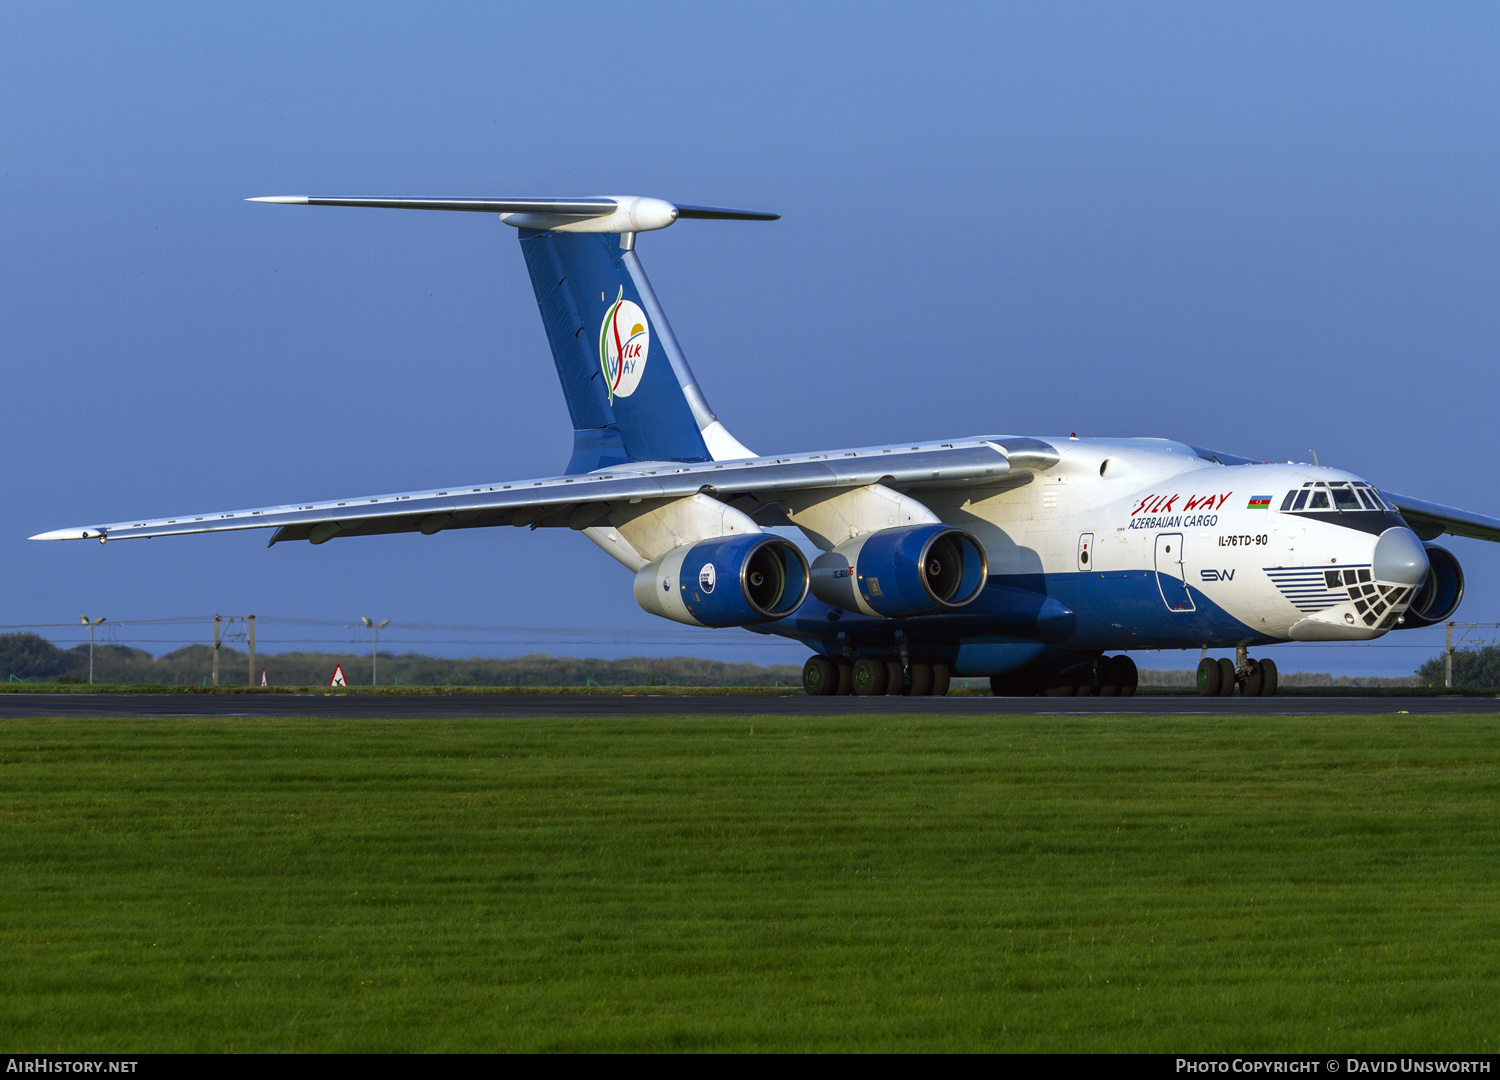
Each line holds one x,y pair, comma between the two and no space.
630,393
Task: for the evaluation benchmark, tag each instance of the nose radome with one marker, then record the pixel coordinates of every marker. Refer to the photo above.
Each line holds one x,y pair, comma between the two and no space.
1400,557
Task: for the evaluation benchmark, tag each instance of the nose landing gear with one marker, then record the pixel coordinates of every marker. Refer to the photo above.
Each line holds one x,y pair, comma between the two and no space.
1255,678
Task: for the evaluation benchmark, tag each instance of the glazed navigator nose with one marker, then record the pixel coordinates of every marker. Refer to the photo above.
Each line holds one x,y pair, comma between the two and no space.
1400,558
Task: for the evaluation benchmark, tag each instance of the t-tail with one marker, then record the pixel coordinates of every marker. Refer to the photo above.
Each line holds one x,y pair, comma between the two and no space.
630,393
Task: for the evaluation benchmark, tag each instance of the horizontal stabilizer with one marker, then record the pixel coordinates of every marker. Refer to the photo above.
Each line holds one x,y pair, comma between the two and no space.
721,213
613,214
581,207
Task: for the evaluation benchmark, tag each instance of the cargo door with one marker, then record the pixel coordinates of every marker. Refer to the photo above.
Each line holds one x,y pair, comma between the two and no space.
1171,572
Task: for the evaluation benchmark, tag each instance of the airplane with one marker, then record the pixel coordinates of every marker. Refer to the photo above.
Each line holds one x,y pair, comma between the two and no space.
1040,563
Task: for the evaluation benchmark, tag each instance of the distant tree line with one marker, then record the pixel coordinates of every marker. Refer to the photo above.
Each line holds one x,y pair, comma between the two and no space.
1473,669
32,658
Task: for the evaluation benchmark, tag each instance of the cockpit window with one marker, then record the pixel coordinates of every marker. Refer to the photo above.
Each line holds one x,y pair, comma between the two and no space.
1343,497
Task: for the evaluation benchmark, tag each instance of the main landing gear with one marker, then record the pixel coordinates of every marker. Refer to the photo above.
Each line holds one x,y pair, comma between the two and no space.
1104,676
870,676
1218,678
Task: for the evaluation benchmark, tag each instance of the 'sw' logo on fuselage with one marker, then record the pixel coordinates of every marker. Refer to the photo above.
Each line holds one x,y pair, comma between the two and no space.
624,346
1217,575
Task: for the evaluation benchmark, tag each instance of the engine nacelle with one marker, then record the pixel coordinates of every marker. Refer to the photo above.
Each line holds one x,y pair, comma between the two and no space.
728,581
894,573
1440,594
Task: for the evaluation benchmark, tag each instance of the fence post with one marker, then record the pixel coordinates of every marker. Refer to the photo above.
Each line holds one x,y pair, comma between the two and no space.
1448,661
217,629
251,680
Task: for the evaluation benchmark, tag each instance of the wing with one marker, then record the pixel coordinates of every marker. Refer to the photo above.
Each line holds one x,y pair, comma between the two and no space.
583,501
1429,520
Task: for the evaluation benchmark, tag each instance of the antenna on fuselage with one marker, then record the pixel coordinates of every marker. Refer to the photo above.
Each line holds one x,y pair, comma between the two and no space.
1314,453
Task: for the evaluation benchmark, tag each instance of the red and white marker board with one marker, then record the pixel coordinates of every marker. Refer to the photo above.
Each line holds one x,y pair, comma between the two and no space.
338,676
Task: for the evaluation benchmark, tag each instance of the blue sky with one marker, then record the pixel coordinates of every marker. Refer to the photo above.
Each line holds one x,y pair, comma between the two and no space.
1264,228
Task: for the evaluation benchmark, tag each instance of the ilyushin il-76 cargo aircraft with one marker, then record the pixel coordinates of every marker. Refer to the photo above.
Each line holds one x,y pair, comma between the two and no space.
1037,562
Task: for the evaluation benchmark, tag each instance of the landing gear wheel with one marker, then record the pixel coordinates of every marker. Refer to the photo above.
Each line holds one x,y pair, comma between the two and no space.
1268,678
846,680
1109,676
1208,677
895,678
820,676
940,679
869,677
1128,674
1060,684
1227,677
1085,679
1254,679
921,679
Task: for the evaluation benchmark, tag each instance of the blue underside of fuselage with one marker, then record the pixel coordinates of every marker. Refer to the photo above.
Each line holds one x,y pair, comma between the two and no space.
1022,620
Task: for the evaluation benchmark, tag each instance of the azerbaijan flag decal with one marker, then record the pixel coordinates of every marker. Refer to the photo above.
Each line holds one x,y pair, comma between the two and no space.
1259,502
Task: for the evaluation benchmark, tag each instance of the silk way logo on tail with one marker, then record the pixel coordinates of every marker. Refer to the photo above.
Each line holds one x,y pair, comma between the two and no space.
624,344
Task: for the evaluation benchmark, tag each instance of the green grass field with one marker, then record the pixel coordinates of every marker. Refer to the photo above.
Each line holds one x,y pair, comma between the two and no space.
913,883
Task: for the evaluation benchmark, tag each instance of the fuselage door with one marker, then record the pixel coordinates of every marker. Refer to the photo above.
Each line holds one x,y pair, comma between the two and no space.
1086,551
1171,572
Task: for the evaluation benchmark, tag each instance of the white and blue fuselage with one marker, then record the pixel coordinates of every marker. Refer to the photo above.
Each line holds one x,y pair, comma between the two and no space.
1129,544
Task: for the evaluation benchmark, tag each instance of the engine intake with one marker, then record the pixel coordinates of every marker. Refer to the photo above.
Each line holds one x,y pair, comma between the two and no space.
895,573
729,581
1440,594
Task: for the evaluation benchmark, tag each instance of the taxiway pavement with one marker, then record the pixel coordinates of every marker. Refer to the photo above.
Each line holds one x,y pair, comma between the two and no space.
379,707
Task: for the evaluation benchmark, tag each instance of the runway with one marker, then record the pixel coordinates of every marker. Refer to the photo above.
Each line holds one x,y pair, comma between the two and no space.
378,707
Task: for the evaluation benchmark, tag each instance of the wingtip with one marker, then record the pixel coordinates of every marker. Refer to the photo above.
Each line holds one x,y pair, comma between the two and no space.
66,534
287,200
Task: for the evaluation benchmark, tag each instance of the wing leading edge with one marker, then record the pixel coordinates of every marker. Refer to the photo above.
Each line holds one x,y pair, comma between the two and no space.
582,501
1429,520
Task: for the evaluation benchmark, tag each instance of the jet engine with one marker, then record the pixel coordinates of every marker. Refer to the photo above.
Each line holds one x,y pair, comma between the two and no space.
894,573
728,581
1440,594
